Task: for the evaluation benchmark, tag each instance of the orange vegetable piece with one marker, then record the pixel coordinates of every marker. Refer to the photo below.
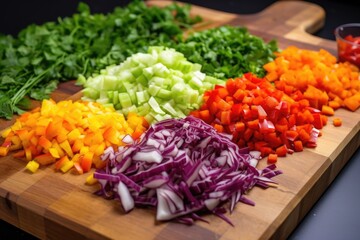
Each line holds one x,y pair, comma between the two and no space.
329,111
61,162
44,142
86,161
219,128
19,154
352,102
45,159
272,158
337,122
334,104
281,151
318,76
298,146
78,168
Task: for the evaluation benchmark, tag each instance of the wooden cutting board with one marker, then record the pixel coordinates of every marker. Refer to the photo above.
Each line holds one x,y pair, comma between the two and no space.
61,206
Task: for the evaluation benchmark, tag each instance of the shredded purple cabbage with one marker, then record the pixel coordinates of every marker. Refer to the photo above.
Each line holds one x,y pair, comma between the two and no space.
182,167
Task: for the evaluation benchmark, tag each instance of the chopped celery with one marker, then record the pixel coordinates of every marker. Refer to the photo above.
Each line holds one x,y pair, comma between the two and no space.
160,70
158,85
196,82
164,94
125,100
148,72
109,82
115,97
102,100
153,90
142,96
155,106
167,107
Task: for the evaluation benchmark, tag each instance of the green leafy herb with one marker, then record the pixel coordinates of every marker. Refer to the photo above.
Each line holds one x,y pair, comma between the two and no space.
228,51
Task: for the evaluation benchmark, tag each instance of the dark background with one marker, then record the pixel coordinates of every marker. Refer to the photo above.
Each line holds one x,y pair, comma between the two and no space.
336,214
17,14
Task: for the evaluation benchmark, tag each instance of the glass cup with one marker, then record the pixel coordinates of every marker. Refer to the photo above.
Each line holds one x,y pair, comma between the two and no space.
348,43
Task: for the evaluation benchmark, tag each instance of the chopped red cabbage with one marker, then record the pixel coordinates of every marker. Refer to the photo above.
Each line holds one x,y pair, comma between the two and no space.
182,167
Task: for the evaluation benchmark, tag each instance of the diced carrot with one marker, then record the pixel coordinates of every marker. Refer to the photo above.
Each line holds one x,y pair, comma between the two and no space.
318,76
352,102
334,104
272,158
337,122
327,110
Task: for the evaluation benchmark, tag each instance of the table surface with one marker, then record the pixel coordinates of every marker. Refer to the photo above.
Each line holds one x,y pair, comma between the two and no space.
335,215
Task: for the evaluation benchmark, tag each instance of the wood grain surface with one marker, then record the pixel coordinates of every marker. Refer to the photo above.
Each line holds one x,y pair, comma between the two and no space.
60,206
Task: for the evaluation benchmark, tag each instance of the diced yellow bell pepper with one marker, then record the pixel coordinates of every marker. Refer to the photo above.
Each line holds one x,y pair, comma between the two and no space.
90,180
79,131
32,166
5,132
67,148
67,166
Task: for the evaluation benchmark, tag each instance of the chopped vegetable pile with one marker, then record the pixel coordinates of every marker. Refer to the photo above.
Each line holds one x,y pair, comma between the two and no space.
181,167
201,111
69,134
325,83
261,117
160,84
41,55
227,51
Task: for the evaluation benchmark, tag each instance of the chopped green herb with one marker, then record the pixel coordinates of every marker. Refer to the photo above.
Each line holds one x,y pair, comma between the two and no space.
227,51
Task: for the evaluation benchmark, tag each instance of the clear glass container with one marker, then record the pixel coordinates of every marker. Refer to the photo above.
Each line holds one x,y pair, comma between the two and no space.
348,43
